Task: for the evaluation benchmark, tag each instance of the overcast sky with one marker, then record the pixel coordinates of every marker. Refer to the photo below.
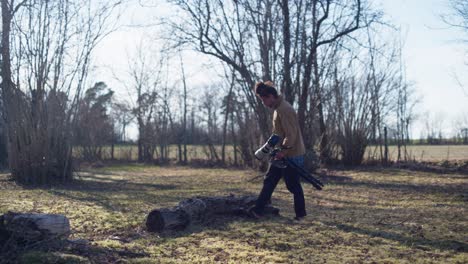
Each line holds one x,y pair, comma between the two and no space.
433,55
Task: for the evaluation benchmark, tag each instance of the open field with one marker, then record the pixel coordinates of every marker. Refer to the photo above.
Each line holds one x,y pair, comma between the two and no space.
362,216
414,152
427,152
130,152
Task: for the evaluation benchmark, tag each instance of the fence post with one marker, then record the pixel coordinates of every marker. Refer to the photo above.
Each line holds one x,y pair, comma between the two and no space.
386,146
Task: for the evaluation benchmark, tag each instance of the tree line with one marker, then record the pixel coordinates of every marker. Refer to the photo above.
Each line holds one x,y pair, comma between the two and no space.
330,60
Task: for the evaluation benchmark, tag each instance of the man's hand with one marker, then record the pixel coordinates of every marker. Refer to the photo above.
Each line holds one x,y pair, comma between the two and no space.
279,155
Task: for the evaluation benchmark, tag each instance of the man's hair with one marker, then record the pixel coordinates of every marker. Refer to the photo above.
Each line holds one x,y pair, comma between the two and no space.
263,89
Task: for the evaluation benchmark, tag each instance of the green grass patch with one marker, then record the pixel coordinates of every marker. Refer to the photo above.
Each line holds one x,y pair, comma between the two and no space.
362,216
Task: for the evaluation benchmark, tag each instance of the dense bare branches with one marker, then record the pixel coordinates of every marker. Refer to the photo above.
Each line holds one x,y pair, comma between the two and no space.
50,50
340,78
296,44
459,16
146,88
241,34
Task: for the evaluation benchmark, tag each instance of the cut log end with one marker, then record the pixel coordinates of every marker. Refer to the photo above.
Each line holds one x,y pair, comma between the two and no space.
173,219
155,221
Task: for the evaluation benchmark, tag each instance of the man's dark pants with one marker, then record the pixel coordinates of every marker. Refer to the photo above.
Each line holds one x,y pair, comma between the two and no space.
291,178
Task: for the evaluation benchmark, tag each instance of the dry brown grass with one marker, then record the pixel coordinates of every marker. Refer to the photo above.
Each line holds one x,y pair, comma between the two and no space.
362,216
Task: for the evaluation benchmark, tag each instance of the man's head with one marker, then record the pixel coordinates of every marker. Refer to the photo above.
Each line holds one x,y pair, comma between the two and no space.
267,92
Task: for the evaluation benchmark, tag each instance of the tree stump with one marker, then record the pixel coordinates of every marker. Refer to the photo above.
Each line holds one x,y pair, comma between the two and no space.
200,208
33,227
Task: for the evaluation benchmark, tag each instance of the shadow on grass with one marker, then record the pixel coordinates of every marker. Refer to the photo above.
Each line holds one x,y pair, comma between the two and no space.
100,184
419,242
66,251
454,190
418,167
118,194
102,191
95,183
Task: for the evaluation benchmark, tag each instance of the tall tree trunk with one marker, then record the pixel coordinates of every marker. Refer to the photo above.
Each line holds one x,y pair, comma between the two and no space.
7,84
226,118
304,95
385,160
112,140
184,122
140,140
286,85
234,138
324,145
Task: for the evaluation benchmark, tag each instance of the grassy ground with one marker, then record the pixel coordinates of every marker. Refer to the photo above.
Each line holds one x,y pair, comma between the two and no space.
362,216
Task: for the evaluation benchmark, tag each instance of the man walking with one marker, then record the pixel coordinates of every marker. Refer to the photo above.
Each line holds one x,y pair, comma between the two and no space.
286,125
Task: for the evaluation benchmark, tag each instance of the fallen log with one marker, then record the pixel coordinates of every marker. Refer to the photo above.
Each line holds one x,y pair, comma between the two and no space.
199,209
34,227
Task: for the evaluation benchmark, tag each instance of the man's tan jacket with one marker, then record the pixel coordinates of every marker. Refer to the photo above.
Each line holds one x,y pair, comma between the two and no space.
286,125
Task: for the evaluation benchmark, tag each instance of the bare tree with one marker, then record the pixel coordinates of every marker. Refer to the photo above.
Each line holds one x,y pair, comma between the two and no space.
457,18
251,35
464,135
184,134
46,52
286,84
94,127
145,72
433,125
368,93
405,117
122,114
460,126
209,110
319,54
239,33
345,18
3,138
228,106
164,121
